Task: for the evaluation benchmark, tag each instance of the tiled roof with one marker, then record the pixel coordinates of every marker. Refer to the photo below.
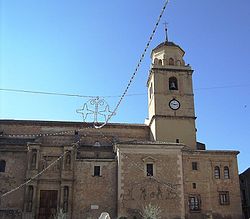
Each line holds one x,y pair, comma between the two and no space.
167,43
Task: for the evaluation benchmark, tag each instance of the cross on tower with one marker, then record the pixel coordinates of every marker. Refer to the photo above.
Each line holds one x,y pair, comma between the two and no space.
166,30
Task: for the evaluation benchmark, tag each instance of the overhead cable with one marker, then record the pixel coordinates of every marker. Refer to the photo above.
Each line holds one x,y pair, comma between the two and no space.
65,94
137,66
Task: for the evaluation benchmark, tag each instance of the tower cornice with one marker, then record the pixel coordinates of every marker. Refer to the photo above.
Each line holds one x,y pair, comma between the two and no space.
154,117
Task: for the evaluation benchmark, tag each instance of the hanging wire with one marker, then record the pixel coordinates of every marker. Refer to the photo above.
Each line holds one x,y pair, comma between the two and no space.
38,174
50,165
64,94
112,96
46,93
110,116
136,68
169,185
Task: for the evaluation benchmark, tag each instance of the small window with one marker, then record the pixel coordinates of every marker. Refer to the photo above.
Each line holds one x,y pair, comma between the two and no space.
217,172
226,172
224,198
2,166
150,169
194,203
97,171
150,91
171,61
178,62
194,166
177,140
194,185
173,83
160,62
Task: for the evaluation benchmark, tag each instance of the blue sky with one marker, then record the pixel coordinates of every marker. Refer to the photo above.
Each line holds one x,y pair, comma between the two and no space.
92,48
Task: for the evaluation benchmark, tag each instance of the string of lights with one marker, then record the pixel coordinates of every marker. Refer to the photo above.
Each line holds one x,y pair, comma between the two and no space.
136,68
131,78
37,135
83,96
54,162
169,185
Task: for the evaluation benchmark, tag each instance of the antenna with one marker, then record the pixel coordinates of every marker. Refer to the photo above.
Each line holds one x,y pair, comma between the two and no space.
166,31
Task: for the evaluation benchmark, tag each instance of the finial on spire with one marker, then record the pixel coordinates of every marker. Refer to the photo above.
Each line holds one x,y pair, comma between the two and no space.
166,31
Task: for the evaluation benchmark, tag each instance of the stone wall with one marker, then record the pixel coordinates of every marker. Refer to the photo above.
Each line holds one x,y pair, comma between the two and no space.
122,187
136,189
95,194
208,188
12,204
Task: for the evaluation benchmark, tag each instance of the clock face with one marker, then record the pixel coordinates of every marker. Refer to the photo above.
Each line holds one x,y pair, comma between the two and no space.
174,104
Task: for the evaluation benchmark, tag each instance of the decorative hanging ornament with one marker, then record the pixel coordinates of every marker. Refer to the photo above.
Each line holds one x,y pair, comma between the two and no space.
96,109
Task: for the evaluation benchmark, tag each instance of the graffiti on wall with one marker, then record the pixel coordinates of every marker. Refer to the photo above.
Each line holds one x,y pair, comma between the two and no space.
149,190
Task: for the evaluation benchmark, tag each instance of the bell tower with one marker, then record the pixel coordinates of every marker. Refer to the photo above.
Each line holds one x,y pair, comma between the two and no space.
170,96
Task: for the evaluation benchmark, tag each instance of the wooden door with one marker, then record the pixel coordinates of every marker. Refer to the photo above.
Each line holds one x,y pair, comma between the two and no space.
48,204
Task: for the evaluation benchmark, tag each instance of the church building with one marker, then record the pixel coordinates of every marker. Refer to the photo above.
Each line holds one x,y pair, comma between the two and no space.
121,168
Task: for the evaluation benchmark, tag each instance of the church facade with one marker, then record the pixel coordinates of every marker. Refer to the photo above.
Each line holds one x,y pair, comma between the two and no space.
122,168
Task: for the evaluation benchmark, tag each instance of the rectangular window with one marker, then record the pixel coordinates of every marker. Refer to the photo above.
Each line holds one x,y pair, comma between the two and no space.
194,185
97,171
194,203
194,166
150,169
224,198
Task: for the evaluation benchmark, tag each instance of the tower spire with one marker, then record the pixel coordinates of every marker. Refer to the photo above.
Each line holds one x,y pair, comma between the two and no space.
166,31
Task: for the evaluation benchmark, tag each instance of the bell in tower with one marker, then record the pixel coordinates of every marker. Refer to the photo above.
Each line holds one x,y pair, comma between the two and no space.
173,83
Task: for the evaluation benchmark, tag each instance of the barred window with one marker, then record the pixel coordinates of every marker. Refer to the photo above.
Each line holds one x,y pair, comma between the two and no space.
224,198
194,203
194,166
217,172
150,169
226,172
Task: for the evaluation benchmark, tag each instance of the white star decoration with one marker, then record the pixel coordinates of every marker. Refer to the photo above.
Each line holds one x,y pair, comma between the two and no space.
85,111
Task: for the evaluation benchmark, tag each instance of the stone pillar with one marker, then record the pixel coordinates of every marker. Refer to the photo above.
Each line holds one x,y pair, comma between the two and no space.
65,198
